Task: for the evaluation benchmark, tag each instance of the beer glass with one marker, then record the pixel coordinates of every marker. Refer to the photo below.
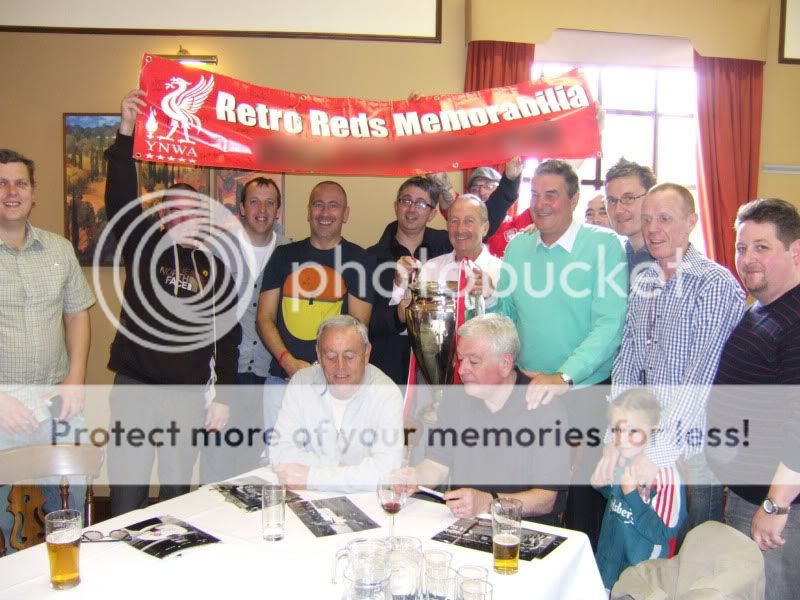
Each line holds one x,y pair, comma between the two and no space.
63,537
506,534
273,512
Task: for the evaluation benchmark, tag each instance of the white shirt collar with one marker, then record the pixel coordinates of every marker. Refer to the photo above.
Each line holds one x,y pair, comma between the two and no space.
478,260
567,239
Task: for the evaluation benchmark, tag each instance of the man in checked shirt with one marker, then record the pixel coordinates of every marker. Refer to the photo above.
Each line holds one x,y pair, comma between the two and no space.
44,328
681,311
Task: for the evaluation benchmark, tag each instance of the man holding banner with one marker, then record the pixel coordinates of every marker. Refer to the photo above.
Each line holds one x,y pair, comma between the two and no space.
178,330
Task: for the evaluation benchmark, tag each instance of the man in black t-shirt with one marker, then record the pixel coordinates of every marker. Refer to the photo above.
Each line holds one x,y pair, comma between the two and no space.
308,281
756,383
486,442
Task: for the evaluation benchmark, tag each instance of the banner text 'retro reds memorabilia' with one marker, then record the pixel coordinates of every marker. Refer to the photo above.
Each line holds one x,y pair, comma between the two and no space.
206,119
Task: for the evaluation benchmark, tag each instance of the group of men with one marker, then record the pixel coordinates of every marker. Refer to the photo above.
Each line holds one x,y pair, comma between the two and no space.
575,308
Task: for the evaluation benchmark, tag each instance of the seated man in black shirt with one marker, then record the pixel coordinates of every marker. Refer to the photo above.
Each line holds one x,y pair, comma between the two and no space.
486,441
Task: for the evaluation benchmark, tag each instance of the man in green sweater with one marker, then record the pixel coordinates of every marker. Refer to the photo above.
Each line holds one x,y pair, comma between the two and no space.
565,287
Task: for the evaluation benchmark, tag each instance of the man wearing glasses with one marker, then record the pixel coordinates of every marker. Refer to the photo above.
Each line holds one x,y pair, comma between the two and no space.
626,186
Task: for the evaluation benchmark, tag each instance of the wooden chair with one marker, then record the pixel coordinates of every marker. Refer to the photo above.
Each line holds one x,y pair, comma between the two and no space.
21,466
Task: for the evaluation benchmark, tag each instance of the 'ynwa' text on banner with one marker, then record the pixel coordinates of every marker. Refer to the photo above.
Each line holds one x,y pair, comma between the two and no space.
200,118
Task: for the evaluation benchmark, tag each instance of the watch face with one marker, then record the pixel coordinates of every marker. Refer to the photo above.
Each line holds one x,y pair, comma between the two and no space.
769,506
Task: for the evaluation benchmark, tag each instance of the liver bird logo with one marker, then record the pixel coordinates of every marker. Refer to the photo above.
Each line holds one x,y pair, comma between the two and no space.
182,104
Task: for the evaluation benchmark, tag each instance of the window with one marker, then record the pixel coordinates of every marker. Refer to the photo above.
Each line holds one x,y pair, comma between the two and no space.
649,118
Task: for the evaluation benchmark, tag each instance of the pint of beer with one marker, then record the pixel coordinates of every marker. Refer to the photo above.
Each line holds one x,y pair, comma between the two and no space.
505,547
506,534
63,537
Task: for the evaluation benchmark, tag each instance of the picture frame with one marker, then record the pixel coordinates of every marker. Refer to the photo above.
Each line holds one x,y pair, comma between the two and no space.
86,138
789,44
385,21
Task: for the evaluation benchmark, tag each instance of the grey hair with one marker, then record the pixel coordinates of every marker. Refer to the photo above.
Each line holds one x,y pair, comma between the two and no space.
499,330
343,322
481,205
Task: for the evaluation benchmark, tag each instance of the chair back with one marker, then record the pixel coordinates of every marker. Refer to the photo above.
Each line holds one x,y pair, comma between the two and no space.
22,467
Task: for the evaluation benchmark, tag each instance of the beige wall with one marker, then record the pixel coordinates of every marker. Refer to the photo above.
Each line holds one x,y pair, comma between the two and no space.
732,28
780,127
45,75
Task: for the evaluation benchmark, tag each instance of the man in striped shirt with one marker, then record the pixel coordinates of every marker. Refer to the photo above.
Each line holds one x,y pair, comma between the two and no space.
681,311
763,353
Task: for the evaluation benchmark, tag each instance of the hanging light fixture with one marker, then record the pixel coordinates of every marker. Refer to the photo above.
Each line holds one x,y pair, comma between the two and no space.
184,57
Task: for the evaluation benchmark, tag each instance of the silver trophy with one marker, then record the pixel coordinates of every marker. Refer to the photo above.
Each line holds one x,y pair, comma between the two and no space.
431,323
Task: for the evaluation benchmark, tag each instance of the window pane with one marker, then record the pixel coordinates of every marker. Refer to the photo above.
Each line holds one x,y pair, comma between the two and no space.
697,238
677,158
587,169
629,136
592,75
677,91
628,88
545,69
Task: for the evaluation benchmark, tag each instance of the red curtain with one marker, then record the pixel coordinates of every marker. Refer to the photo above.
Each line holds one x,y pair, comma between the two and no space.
495,64
729,94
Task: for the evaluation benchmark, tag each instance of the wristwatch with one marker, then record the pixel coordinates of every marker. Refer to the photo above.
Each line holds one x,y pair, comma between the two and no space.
771,508
566,379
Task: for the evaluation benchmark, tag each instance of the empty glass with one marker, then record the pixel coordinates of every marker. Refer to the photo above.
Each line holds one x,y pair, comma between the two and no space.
440,584
360,551
273,511
476,589
468,572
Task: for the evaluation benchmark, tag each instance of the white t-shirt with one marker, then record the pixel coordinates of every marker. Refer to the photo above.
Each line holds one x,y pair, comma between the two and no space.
338,406
256,256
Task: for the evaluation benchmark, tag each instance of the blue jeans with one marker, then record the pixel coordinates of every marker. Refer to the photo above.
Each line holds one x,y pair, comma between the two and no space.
43,434
274,388
704,495
780,565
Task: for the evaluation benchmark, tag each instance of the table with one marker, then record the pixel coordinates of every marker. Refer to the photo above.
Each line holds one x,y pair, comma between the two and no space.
297,567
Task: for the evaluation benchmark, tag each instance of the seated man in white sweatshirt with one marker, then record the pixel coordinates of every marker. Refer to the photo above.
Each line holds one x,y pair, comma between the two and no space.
341,423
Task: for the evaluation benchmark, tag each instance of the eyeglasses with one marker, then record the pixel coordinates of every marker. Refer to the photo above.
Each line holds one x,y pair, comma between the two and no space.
117,535
626,199
420,204
489,185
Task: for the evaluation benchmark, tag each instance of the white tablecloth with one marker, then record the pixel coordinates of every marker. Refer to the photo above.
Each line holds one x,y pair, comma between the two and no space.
297,567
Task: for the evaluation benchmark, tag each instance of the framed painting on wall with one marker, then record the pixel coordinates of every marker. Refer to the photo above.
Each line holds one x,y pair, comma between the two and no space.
86,138
789,45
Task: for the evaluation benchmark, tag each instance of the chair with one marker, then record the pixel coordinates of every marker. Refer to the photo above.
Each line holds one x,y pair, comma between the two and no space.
26,502
716,562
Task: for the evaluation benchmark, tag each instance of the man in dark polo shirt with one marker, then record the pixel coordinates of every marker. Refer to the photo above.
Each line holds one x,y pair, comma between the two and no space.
486,442
763,476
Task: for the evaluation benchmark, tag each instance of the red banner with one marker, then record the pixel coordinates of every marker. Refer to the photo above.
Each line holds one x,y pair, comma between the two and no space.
200,118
